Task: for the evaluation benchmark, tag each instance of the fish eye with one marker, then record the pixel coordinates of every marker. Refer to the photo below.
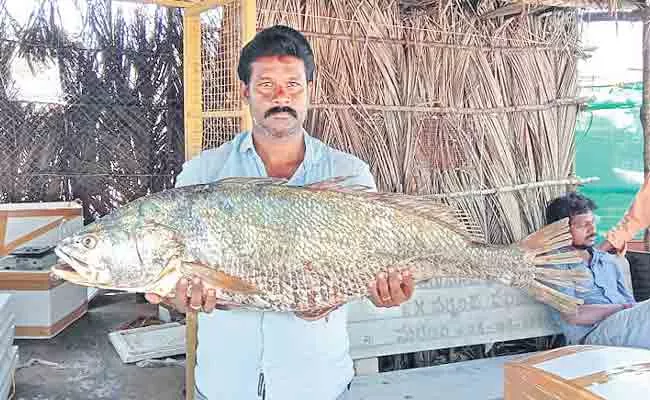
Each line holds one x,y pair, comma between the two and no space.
89,242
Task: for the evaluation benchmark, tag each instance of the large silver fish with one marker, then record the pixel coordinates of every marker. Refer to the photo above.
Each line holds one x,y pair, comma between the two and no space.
267,245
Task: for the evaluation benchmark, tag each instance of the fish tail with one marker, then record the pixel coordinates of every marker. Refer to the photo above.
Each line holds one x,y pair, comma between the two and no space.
544,248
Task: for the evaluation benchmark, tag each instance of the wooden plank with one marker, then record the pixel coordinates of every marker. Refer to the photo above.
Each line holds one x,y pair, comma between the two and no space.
469,380
22,281
46,212
192,78
447,313
3,233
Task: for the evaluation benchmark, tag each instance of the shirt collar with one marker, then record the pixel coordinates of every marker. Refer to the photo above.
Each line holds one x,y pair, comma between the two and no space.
311,146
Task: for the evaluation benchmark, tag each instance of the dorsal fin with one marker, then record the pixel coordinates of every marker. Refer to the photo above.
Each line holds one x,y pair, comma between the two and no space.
247,180
452,217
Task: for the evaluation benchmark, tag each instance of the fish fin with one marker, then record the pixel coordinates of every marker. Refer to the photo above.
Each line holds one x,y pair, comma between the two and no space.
336,184
253,180
551,237
453,218
316,314
165,285
556,299
218,278
544,249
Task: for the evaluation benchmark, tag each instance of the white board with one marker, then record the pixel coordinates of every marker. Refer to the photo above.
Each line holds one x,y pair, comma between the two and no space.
447,313
149,342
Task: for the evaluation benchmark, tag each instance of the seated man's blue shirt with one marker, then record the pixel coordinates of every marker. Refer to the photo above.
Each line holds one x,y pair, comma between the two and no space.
264,355
605,285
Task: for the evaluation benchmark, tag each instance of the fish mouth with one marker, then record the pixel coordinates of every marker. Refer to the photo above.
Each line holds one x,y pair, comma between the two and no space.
73,269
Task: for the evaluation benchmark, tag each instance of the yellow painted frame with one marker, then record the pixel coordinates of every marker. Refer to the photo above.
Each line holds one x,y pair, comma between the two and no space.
192,72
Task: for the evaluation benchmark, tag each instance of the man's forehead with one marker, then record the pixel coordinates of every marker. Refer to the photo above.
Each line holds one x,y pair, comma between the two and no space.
286,62
588,215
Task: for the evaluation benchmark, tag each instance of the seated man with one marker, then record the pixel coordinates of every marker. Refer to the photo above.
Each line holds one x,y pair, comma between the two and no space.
609,315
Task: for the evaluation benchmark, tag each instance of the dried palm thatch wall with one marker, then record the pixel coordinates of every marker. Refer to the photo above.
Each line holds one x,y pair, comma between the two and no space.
438,99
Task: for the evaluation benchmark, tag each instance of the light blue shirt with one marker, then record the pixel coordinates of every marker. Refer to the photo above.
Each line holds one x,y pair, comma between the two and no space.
605,285
247,355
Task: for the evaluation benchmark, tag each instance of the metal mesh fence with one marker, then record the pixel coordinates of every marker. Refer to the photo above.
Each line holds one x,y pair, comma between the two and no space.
220,46
112,130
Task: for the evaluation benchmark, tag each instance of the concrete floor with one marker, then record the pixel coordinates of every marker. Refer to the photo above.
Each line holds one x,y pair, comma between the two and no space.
89,368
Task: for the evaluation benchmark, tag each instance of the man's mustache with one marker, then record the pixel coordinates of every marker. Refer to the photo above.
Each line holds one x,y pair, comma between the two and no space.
279,110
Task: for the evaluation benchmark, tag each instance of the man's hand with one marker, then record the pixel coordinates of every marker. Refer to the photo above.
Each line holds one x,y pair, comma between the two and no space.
607,247
391,290
196,298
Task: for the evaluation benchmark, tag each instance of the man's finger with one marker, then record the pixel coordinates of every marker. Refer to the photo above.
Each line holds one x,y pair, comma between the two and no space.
210,301
196,301
408,285
382,289
374,294
395,287
152,298
181,295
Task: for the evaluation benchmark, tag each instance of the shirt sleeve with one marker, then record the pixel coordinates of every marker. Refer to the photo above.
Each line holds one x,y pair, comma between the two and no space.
191,174
364,177
622,287
636,218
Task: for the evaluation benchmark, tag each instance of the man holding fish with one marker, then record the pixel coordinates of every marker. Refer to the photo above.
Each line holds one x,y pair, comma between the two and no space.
256,355
282,245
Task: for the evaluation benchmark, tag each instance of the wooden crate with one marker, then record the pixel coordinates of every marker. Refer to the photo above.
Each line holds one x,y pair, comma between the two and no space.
580,373
42,305
37,224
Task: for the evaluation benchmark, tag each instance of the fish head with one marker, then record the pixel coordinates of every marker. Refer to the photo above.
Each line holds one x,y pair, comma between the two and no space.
118,255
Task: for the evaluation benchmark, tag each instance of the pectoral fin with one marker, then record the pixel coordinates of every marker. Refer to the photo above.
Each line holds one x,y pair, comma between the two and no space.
316,314
217,278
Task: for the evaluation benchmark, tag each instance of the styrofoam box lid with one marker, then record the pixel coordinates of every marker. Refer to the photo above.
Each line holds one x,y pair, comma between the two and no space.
153,341
7,369
39,206
7,335
4,304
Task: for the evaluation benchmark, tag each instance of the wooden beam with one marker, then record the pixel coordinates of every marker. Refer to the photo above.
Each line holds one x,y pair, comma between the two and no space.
248,31
192,84
207,5
165,3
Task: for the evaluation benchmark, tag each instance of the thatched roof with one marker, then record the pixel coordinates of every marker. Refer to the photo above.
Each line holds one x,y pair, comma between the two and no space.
508,5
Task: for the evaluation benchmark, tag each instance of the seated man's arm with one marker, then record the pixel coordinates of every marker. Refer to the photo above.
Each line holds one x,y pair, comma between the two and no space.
589,314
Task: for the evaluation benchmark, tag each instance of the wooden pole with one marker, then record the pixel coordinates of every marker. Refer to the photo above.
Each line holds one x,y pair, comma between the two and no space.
191,333
248,29
645,106
192,74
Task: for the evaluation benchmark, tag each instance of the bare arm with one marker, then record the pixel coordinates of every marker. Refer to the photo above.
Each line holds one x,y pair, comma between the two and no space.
635,219
591,313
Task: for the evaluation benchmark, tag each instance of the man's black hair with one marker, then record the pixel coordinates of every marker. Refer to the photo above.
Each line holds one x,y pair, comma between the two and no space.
568,205
278,40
